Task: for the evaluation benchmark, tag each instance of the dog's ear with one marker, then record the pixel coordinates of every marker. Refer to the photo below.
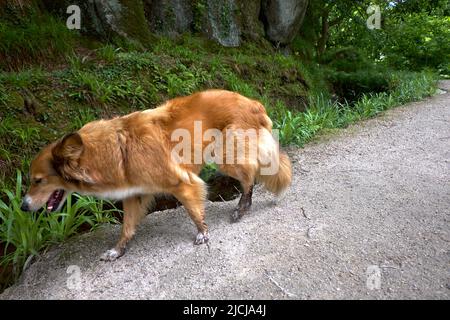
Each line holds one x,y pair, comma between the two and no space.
66,159
69,149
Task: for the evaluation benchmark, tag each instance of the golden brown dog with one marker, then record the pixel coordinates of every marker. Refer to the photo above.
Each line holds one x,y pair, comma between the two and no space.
162,150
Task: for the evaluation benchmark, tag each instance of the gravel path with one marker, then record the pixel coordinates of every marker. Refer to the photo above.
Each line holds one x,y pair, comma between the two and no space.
367,217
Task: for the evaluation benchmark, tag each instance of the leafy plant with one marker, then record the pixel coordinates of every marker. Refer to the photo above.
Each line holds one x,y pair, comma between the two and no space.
299,128
236,84
26,234
208,171
83,116
108,53
23,79
18,133
4,96
417,41
36,37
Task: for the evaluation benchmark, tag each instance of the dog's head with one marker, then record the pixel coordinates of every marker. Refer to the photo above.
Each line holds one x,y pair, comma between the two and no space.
53,173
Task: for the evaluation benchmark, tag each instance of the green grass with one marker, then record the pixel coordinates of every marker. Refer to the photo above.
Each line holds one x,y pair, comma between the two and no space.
18,141
24,78
238,85
4,95
82,117
208,171
27,234
108,86
139,79
17,132
108,53
322,114
38,37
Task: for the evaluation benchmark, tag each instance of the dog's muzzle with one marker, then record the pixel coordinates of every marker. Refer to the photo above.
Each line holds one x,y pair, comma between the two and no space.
25,207
25,204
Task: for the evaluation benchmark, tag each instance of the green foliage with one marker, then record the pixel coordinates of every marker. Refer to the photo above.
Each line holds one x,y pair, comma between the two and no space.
199,10
414,34
299,128
418,41
39,37
26,234
82,117
15,136
88,87
352,85
208,171
411,86
16,132
351,74
108,53
234,83
18,140
106,87
431,7
24,78
4,95
347,59
136,60
183,80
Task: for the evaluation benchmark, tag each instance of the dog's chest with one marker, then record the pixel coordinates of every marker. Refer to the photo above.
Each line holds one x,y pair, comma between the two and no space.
120,194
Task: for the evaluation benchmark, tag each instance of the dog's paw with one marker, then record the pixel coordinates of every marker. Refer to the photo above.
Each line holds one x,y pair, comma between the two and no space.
201,238
112,255
237,215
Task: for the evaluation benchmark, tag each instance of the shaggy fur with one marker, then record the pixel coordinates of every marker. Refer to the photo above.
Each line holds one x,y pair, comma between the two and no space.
129,158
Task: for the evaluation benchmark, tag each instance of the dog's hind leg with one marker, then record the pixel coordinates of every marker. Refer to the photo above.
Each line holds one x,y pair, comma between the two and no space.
192,196
245,202
135,209
246,176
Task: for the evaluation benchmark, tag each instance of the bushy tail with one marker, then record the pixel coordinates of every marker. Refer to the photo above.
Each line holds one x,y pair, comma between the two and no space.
281,180
276,173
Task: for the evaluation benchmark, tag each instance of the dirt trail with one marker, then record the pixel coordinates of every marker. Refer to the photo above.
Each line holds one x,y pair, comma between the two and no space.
367,217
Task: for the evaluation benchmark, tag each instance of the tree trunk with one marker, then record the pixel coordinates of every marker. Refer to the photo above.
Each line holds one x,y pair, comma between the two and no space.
324,34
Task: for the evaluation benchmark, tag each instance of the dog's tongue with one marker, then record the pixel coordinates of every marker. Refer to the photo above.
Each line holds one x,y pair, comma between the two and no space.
53,201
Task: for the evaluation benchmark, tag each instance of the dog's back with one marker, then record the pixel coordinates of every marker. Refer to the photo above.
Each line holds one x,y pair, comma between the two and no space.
217,109
234,116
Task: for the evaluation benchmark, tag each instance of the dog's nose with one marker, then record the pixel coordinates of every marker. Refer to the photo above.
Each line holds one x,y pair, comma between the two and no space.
25,206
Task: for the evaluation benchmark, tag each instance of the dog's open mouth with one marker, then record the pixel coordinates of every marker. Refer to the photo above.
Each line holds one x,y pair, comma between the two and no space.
55,200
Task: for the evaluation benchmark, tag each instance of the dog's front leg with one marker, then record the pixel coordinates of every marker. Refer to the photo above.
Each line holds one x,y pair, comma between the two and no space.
192,196
135,209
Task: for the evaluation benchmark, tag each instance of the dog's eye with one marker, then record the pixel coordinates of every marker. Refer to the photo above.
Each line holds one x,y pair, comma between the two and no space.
37,181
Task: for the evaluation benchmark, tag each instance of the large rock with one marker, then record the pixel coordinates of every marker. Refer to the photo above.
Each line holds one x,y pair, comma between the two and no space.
248,13
217,19
107,18
283,19
221,23
228,21
169,17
